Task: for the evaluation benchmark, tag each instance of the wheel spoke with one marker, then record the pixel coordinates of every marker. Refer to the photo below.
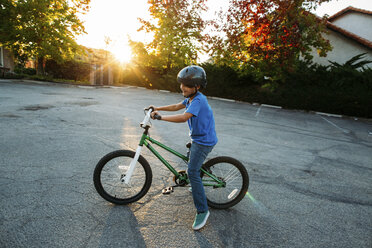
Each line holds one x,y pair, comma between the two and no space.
108,174
230,171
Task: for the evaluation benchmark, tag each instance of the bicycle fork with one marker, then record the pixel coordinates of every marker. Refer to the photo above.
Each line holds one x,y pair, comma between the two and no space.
126,178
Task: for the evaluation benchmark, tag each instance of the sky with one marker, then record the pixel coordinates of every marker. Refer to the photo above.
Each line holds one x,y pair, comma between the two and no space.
117,19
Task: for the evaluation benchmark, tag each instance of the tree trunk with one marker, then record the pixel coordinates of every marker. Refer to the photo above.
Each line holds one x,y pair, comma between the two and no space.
40,66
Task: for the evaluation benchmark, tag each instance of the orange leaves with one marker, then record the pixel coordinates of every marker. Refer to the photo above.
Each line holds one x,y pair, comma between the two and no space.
276,32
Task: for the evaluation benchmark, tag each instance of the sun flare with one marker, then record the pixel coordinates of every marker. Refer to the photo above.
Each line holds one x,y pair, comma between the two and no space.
116,20
122,53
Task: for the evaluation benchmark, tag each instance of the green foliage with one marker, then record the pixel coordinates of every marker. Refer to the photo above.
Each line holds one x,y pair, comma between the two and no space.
270,35
7,18
176,26
42,29
352,64
12,75
149,77
70,69
351,74
141,56
343,89
23,70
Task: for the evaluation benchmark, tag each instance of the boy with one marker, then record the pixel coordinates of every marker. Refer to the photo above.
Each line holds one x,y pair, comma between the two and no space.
199,117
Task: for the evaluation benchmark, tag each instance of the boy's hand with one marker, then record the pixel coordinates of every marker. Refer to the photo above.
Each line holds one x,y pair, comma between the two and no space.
155,115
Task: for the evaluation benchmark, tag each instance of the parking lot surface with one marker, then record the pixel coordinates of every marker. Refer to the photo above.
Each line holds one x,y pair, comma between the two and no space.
310,174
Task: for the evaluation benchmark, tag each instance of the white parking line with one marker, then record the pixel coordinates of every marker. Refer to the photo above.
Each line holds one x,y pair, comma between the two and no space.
343,130
258,111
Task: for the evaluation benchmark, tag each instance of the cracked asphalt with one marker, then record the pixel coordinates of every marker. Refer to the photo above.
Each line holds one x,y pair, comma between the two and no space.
310,174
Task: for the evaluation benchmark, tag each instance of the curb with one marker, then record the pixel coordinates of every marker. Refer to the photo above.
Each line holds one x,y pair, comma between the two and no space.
278,107
329,115
271,106
222,99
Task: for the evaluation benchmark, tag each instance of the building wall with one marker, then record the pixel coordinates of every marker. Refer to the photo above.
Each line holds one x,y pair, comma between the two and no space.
6,59
1,57
343,50
357,23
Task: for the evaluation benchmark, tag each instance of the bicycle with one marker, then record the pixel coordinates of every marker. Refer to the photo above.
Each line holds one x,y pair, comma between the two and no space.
124,176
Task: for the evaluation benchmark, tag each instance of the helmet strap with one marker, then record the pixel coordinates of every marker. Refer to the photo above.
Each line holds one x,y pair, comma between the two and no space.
193,94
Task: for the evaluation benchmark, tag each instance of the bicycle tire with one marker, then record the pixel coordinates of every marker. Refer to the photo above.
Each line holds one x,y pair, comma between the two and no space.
236,177
107,177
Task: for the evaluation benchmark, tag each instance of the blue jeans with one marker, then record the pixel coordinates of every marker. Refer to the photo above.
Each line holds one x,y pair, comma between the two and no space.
198,153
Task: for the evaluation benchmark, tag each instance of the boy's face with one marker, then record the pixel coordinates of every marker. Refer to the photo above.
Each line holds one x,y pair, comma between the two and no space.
187,91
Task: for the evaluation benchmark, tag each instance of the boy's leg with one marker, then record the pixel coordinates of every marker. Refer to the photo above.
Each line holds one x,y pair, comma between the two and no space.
198,154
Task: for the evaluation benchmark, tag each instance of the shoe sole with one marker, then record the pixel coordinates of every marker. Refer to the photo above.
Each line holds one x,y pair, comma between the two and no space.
201,225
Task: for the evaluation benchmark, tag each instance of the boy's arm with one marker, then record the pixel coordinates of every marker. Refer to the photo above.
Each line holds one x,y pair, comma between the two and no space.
172,118
177,118
173,107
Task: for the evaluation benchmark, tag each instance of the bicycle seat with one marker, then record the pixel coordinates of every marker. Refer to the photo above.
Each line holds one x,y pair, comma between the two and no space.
188,145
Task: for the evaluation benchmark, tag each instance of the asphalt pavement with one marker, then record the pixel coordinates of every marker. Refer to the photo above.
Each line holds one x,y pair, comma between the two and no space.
310,174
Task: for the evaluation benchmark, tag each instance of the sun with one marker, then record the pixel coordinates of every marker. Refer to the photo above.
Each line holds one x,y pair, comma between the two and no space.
122,53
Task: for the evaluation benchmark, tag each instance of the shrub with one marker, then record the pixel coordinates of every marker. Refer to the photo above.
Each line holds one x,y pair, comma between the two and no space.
72,70
12,75
23,70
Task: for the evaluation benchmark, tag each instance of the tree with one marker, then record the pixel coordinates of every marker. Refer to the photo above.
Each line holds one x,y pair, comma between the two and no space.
176,26
7,21
271,35
43,29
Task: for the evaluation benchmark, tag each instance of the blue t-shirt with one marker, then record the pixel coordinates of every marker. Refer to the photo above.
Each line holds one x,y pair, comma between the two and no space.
201,124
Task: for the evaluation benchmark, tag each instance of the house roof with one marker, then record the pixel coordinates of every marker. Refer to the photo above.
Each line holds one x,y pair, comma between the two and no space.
346,10
348,34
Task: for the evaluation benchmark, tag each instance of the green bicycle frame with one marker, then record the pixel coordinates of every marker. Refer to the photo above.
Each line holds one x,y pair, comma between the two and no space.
211,181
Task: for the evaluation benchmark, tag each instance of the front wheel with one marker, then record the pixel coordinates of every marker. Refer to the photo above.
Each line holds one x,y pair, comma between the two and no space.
235,182
111,169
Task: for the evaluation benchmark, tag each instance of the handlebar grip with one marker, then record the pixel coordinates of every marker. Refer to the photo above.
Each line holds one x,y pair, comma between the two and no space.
152,109
157,117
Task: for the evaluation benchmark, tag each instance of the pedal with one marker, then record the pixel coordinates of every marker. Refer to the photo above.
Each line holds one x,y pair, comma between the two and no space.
167,190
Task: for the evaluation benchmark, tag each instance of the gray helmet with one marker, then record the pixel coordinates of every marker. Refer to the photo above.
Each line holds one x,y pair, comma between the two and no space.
192,76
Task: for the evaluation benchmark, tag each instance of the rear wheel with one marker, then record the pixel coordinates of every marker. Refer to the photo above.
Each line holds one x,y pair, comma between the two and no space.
112,168
235,178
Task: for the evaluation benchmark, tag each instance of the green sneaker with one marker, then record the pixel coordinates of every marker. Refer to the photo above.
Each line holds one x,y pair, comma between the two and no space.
200,220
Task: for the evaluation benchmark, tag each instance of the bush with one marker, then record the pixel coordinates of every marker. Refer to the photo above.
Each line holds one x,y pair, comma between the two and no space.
12,75
23,70
41,78
71,70
340,89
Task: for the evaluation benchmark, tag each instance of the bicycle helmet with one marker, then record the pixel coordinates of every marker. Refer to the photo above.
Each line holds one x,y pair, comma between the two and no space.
192,76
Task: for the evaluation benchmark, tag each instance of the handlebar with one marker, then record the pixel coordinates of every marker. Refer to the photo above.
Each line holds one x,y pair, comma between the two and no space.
146,120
